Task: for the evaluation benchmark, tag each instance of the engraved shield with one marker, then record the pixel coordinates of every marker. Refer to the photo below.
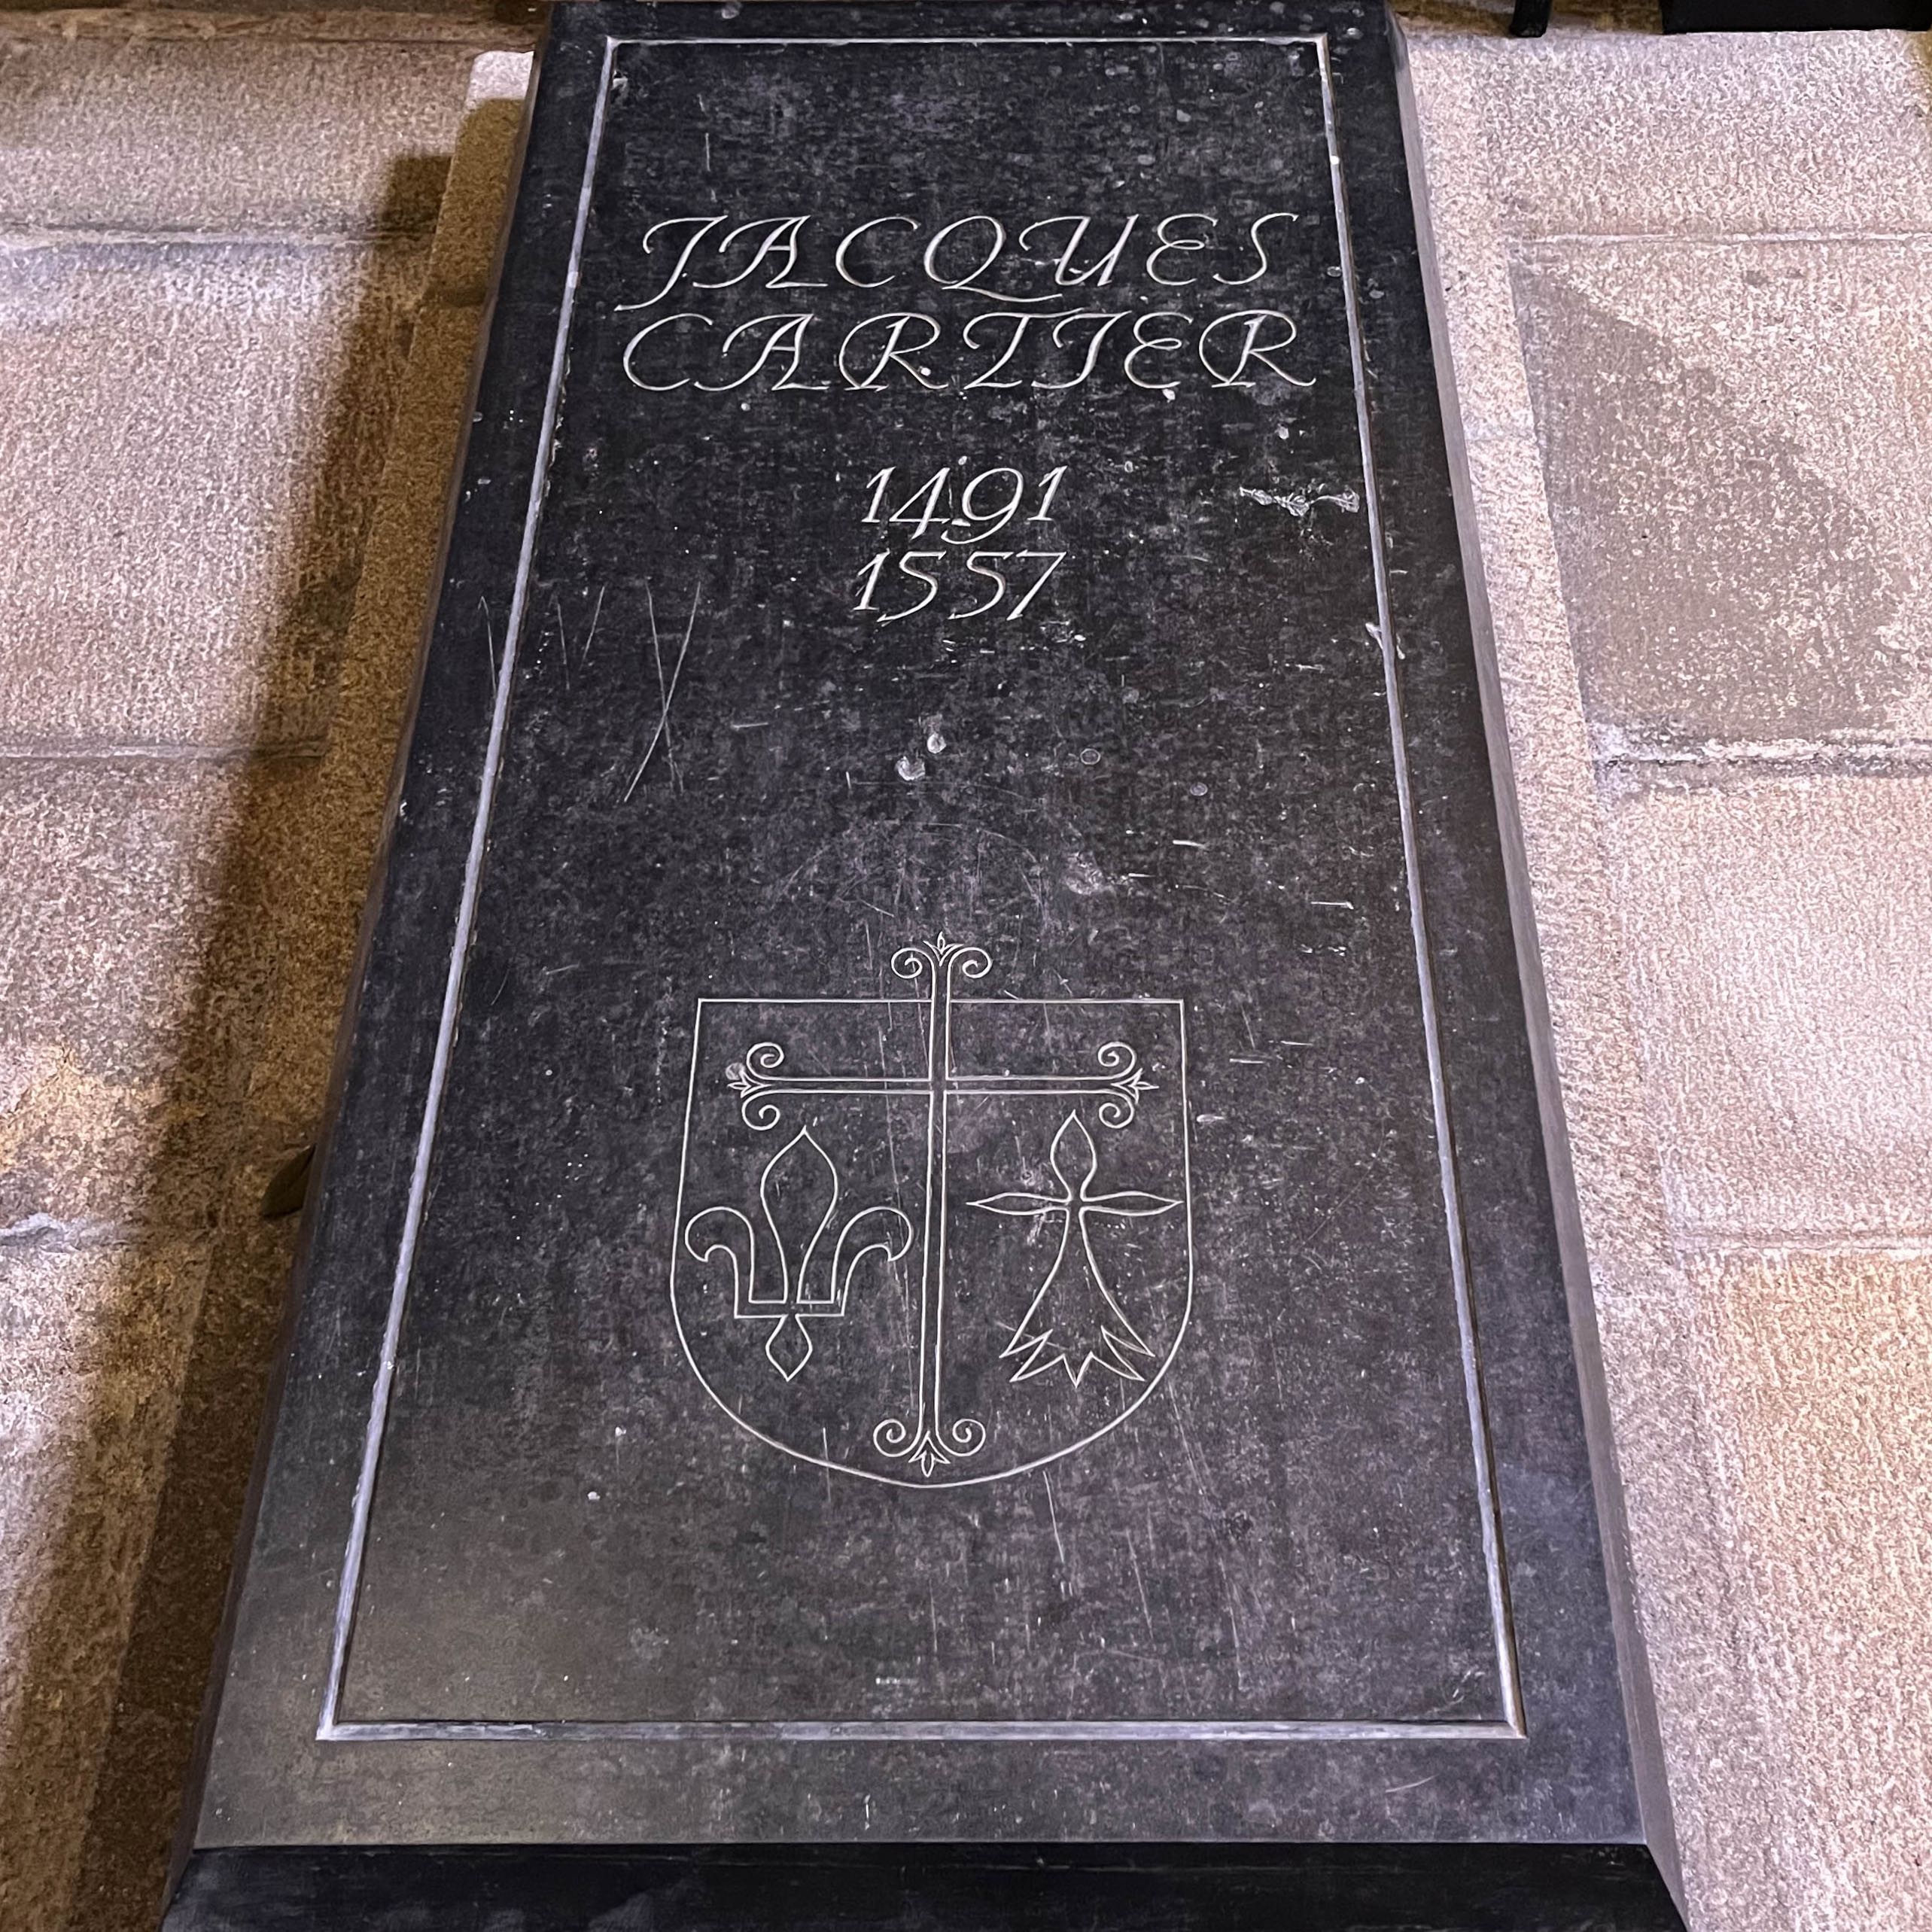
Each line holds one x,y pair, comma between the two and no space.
934,1240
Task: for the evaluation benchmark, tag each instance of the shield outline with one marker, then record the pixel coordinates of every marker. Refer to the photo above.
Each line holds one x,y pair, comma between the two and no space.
1155,1377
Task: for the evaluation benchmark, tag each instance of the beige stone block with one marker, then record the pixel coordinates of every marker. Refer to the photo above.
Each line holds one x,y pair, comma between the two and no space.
343,806
1724,1772
316,874
1737,437
175,1619
225,136
463,254
1575,932
1780,941
196,432
1549,786
314,871
1521,580
95,1340
1819,1370
1467,241
115,871
1616,129
136,949
112,1313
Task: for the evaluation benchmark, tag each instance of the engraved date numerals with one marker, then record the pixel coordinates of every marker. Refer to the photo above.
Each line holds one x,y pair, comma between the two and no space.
964,515
984,564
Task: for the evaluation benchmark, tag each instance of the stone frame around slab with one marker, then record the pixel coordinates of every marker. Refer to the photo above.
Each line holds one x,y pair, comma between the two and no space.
332,1726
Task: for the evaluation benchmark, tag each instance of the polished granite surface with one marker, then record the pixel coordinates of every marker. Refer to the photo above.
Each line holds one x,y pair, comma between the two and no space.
937,1229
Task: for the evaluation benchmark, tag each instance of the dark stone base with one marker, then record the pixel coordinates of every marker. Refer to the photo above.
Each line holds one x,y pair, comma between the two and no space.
466,1617
1735,16
1016,1888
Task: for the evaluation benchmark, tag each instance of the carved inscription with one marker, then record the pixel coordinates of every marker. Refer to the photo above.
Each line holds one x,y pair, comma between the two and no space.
1153,301
1158,303
987,502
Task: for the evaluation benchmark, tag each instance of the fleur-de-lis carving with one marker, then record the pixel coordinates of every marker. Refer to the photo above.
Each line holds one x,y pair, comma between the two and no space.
1073,1321
797,1195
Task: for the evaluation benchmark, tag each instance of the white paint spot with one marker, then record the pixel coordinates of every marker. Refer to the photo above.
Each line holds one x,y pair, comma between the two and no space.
1299,503
1084,877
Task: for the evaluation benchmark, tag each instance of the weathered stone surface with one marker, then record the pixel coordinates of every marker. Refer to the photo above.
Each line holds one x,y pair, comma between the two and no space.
342,804
1780,956
326,842
1773,979
173,1616
159,913
1608,128
92,1346
1467,239
135,953
165,915
198,430
1734,436
1821,1393
231,137
463,253
1725,1771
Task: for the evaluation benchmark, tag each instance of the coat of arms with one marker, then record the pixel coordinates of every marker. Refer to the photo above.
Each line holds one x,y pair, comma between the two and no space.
935,1238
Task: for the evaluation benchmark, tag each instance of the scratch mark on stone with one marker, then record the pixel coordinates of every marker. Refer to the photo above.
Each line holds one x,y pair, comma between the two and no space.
590,636
657,654
1139,1582
667,691
490,644
563,638
1187,1445
1247,1019
1053,1517
1233,1623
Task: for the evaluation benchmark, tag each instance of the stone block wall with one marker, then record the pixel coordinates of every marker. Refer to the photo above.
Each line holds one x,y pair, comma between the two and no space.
1683,281
234,358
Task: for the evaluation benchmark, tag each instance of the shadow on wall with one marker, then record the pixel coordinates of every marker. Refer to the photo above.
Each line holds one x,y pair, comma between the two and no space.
244,1091
1718,582
1490,18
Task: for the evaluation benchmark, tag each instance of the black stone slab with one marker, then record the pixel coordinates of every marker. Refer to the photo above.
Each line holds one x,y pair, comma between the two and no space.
1040,1888
936,1228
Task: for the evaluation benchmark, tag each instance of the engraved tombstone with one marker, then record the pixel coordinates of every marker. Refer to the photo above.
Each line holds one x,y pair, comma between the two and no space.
934,1276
